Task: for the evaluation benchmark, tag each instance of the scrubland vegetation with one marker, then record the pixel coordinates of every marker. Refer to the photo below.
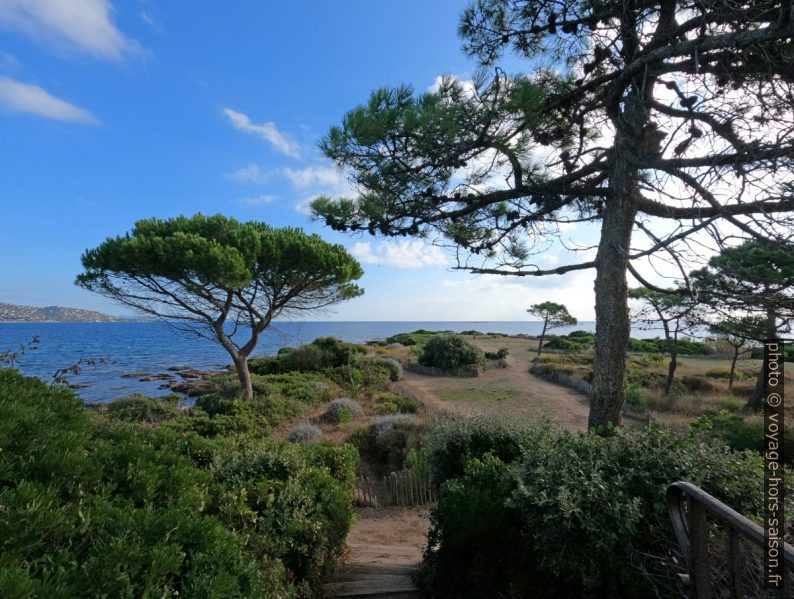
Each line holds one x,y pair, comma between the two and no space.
236,497
148,499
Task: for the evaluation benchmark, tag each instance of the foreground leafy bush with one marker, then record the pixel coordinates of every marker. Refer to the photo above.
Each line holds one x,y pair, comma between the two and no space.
102,505
579,514
450,352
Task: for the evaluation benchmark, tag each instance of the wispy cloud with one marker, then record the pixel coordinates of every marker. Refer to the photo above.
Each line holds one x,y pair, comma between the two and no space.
267,131
260,200
82,25
402,254
250,173
315,176
16,96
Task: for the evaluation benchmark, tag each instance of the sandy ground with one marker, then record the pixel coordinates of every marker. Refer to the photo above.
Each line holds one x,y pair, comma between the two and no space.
511,390
388,536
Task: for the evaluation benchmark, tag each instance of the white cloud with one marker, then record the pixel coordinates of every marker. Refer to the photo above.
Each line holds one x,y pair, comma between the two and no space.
24,97
314,181
402,254
311,176
260,200
250,173
83,25
266,131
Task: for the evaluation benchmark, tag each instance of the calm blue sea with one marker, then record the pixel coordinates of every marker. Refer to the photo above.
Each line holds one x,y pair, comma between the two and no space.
152,347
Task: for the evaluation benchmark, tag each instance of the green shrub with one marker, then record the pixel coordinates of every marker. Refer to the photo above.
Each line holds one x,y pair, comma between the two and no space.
739,433
393,366
501,354
732,404
724,373
102,505
343,410
402,338
320,354
450,352
635,396
304,432
453,440
392,403
89,515
385,445
140,408
583,516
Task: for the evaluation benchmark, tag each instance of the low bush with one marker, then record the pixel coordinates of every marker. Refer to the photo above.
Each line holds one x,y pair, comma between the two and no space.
304,432
696,383
343,410
129,503
733,405
583,516
635,396
453,440
385,445
724,373
418,337
659,346
738,432
450,352
393,403
140,408
320,354
393,366
501,354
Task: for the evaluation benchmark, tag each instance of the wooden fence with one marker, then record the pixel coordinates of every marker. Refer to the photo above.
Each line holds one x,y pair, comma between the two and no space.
404,488
583,386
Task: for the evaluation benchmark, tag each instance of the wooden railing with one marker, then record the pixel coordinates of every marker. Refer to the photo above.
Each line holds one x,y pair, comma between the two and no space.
739,573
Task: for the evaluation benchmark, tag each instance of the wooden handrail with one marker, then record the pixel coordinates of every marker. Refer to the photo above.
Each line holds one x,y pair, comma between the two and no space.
691,531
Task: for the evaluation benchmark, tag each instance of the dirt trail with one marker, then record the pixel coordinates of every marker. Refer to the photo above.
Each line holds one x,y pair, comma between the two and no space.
529,394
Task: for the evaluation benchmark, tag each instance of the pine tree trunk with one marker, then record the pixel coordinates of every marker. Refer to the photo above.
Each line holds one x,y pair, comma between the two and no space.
668,384
241,366
613,326
736,349
672,348
757,396
542,336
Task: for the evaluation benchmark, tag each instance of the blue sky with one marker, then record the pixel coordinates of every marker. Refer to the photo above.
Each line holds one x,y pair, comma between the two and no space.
113,112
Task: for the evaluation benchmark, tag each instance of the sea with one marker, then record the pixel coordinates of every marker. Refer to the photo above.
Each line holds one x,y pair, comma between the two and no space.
119,348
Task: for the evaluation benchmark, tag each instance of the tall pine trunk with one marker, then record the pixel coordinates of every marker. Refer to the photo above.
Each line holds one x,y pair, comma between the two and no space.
613,326
672,347
757,396
542,336
736,349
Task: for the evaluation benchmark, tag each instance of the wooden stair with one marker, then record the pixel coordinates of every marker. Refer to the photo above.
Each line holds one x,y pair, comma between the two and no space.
371,578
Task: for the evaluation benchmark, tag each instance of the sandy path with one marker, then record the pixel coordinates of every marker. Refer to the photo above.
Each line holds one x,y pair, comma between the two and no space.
383,549
528,394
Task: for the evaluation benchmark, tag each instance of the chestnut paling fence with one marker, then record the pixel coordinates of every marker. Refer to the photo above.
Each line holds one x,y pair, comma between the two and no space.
722,550
404,488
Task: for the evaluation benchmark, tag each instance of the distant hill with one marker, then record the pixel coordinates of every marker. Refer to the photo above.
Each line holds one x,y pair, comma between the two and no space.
17,313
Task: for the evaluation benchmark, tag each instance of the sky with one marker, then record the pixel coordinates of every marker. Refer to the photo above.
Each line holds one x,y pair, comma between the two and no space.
112,112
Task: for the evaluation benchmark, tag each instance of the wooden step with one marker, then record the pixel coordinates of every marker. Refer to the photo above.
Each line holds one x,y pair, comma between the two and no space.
373,581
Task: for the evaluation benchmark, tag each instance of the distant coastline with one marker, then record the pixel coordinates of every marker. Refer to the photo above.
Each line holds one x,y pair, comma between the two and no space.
18,313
